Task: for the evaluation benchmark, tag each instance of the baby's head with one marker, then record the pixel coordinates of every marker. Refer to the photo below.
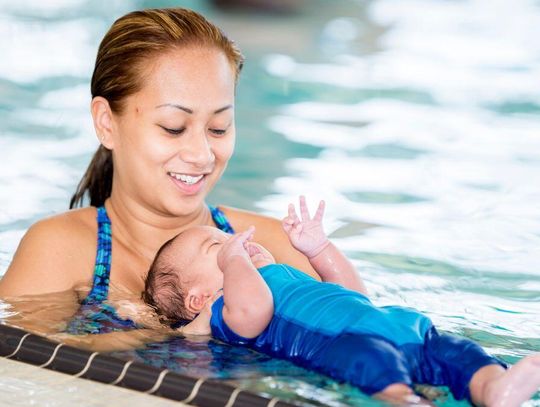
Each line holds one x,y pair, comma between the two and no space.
185,273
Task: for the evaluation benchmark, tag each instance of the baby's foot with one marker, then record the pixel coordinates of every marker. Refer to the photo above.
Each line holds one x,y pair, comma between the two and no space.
430,393
401,395
516,385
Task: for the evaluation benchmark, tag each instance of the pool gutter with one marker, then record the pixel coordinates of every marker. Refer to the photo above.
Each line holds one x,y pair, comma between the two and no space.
19,345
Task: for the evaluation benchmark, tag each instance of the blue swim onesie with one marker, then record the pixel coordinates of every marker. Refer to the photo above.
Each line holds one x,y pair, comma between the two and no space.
95,315
339,332
314,309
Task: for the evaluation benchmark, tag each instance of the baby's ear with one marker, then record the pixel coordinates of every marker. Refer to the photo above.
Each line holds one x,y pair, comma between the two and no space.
195,302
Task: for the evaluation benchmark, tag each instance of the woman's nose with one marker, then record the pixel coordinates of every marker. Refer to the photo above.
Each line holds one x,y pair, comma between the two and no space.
197,150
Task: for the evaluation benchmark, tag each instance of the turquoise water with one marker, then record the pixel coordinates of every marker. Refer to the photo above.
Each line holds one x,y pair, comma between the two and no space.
417,121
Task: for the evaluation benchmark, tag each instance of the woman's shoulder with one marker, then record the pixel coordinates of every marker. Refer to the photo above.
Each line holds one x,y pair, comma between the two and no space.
73,224
241,219
54,255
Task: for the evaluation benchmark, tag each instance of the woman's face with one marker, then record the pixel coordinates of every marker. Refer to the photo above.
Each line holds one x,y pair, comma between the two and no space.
175,136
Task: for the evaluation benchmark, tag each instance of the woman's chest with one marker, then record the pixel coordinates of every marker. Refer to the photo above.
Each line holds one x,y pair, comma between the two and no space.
119,271
128,270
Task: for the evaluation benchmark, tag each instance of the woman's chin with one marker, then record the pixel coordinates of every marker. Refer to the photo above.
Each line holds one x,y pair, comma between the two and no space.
184,205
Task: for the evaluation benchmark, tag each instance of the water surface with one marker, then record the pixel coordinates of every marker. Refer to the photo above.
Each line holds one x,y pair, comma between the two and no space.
418,121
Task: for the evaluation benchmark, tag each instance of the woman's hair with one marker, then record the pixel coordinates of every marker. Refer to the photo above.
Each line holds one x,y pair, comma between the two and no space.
132,41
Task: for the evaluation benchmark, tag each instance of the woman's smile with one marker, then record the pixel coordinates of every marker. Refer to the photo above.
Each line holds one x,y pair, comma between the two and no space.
188,184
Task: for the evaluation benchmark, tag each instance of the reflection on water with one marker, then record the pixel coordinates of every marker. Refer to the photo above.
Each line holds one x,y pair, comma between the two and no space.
418,121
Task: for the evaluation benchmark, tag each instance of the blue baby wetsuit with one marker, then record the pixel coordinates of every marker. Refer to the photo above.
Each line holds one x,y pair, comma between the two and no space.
95,315
339,332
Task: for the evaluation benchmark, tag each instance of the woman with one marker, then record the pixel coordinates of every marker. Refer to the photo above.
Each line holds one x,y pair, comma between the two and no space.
163,92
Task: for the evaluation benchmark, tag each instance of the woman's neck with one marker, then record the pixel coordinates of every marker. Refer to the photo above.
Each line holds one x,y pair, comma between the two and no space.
144,230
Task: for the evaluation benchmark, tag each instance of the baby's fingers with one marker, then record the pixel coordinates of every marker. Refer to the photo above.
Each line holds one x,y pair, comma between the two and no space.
246,235
252,249
239,238
292,216
287,224
320,212
304,212
291,219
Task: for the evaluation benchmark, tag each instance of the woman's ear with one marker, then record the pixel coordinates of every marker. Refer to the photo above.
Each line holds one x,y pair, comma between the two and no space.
103,121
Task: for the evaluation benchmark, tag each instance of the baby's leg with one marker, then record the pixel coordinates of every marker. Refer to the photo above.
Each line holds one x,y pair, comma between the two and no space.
369,362
493,386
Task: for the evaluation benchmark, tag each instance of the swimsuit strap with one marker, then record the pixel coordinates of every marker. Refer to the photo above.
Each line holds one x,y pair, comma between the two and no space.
220,220
102,268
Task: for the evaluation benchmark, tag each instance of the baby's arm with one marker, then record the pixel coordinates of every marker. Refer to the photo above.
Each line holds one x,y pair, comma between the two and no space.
248,303
307,236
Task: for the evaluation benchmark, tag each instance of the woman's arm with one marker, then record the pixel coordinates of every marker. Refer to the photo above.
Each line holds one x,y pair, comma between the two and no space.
48,314
52,259
115,341
42,314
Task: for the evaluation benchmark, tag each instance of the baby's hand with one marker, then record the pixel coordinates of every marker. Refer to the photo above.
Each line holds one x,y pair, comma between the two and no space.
260,257
235,246
306,235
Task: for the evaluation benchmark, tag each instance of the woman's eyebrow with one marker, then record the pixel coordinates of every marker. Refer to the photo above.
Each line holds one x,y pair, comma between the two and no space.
190,111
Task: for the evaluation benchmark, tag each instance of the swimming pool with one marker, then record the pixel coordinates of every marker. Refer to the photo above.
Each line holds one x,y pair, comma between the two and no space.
417,121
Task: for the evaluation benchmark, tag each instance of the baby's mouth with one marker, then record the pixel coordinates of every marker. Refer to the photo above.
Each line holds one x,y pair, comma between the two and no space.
185,178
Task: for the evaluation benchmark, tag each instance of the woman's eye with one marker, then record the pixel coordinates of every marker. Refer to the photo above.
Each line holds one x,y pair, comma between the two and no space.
218,132
180,130
174,132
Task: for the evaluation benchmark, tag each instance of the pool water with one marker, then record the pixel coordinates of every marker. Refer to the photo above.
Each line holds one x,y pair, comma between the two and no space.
417,121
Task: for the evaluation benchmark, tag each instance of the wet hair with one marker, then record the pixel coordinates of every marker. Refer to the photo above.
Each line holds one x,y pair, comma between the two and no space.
132,42
163,288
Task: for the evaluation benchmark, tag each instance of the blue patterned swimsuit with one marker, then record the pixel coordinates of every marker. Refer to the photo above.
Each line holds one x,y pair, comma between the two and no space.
95,314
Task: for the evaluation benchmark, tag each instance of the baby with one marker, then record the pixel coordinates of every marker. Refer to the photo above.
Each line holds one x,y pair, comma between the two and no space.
232,288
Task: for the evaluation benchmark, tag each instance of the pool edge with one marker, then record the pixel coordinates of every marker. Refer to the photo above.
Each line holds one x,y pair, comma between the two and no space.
19,345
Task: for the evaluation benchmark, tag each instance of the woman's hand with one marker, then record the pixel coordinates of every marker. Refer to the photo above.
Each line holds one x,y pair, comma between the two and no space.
235,247
306,235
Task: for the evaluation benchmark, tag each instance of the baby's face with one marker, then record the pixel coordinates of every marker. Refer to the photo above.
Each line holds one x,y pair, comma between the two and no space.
195,251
